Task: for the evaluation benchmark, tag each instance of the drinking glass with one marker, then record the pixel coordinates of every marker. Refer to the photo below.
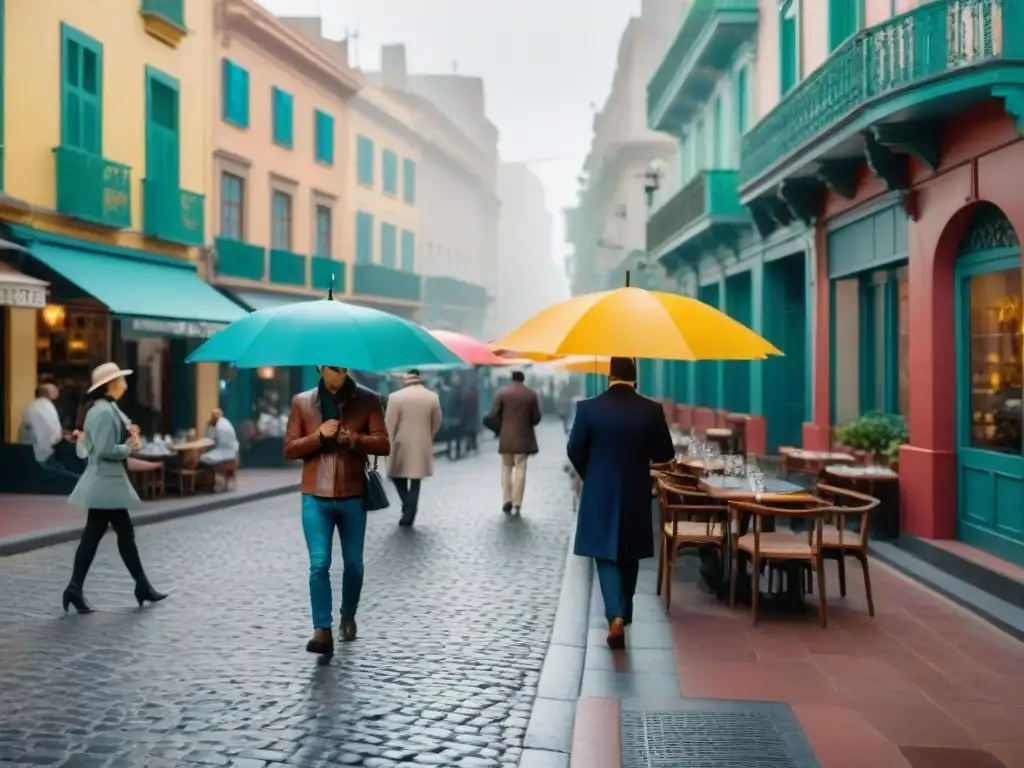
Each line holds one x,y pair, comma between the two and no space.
756,481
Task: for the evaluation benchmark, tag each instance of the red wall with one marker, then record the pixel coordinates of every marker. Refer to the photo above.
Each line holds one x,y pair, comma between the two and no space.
982,159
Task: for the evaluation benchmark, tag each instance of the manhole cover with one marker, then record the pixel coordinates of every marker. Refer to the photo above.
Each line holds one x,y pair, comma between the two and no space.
715,734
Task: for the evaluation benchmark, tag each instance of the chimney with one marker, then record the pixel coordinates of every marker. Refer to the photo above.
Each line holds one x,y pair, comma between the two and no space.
394,74
311,28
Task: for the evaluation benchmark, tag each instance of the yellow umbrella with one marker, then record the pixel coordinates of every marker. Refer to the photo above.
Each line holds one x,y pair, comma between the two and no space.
582,364
632,322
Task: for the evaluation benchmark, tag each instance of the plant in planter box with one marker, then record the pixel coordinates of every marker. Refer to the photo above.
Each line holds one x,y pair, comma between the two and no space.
879,434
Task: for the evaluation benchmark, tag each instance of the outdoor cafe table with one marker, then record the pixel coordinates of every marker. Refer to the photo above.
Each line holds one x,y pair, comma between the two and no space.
193,445
696,466
805,455
776,491
885,521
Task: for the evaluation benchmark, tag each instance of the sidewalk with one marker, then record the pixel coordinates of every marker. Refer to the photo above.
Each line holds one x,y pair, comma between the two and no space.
924,684
29,522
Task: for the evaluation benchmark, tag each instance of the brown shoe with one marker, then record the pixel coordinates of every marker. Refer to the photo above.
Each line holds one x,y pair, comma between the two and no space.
348,628
322,643
616,634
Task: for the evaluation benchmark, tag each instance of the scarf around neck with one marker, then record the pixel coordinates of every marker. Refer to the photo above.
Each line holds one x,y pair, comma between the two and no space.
331,403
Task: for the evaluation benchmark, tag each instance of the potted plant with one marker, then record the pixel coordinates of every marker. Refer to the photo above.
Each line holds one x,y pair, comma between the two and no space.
880,435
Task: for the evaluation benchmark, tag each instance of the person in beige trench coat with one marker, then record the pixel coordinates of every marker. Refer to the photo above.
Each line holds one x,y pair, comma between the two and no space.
413,418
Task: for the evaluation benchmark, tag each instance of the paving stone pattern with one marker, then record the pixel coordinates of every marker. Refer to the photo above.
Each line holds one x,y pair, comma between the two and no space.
454,625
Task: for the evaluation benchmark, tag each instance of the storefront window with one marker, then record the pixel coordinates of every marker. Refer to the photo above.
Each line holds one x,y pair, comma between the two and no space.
272,399
996,365
846,352
70,341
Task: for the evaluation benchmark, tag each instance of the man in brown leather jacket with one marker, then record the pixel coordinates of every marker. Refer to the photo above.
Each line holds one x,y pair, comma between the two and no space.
332,429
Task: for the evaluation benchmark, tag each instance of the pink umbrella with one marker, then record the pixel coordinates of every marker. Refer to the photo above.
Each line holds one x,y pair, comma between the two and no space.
471,351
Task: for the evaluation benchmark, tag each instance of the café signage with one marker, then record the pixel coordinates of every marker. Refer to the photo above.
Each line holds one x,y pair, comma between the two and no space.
28,296
190,329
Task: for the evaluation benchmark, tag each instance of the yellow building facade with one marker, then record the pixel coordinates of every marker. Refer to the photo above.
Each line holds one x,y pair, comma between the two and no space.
106,168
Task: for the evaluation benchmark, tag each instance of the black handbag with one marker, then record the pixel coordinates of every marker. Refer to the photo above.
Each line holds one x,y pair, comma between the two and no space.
492,423
374,496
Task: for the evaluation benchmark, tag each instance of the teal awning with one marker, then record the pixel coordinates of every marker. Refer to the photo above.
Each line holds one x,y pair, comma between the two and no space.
140,287
257,300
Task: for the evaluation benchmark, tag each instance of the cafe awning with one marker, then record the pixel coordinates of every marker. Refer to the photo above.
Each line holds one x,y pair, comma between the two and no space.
153,292
18,290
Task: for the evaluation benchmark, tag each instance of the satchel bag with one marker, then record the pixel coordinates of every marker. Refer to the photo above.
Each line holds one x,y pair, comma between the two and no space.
374,496
492,423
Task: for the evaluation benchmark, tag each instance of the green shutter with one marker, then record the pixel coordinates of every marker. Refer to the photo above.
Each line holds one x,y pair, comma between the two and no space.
324,139
742,102
789,61
364,238
390,172
843,19
409,180
388,244
408,251
283,118
717,135
235,94
364,160
163,142
81,92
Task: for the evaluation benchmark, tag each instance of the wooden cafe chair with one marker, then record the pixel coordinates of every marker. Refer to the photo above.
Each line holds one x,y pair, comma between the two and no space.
839,542
770,548
689,519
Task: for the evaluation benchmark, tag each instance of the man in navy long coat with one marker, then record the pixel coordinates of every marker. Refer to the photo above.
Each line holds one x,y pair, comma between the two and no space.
613,441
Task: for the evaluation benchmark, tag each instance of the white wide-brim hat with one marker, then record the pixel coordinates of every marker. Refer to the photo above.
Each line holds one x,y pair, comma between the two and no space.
106,373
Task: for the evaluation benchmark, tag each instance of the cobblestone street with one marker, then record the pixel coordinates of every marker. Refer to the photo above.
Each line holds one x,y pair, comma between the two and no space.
454,625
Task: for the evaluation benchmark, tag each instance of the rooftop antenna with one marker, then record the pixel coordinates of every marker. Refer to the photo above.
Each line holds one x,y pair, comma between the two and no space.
352,36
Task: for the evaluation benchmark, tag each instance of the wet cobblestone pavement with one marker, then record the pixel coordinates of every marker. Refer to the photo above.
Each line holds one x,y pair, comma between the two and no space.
454,624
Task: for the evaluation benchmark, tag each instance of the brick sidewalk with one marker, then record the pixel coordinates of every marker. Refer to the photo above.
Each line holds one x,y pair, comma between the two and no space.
30,521
924,684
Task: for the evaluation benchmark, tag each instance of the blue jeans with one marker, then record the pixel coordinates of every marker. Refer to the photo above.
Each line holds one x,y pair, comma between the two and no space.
320,516
618,586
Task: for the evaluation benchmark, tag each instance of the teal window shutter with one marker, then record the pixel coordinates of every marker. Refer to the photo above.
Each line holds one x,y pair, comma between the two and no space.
364,237
843,20
390,171
742,101
324,138
409,181
388,244
283,118
717,136
81,92
364,160
789,51
235,94
408,251
163,144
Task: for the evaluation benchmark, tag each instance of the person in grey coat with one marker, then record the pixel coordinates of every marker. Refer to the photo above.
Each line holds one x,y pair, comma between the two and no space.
106,442
515,413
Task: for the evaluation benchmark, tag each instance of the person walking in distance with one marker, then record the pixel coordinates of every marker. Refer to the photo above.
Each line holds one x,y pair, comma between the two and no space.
614,439
516,413
413,418
107,440
332,428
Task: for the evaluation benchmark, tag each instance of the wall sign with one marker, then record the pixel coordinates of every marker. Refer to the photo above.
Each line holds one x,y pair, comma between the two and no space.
189,329
28,296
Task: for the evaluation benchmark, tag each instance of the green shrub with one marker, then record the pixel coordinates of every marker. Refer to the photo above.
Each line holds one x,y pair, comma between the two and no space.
880,434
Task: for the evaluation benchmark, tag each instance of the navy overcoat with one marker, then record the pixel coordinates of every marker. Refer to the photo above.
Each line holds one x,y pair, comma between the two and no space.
613,441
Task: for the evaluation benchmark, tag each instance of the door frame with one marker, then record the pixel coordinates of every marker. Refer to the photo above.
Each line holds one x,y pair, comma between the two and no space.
989,539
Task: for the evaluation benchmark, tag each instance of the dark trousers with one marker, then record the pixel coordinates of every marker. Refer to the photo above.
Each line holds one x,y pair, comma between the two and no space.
95,526
471,438
409,492
618,586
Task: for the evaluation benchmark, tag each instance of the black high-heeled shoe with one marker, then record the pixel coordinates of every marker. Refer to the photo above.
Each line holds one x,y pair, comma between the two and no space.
73,596
145,592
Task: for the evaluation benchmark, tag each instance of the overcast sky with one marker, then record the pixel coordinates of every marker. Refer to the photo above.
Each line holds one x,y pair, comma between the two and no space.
545,63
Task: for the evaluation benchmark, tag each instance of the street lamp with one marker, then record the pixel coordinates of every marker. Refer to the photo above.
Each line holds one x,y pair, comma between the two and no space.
652,180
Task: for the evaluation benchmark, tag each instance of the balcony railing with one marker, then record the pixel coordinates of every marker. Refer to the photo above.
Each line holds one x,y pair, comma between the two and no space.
905,51
378,280
321,269
172,11
239,259
710,194
287,268
441,290
173,214
93,189
708,37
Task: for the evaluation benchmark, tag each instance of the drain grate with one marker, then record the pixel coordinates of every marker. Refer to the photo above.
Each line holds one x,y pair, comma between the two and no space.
715,734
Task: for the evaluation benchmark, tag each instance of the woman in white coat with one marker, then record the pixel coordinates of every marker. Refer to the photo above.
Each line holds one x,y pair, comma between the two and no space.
413,418
104,489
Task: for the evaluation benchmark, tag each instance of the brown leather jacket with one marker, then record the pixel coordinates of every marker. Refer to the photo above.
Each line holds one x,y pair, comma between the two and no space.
330,468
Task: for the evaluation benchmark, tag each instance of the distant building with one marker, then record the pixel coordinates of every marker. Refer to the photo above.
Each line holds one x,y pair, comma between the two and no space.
529,279
606,229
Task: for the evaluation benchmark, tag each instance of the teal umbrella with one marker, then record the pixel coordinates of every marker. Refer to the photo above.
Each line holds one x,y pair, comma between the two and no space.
325,332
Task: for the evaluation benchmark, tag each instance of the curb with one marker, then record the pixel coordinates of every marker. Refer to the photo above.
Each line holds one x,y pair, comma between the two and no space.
548,740
27,542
